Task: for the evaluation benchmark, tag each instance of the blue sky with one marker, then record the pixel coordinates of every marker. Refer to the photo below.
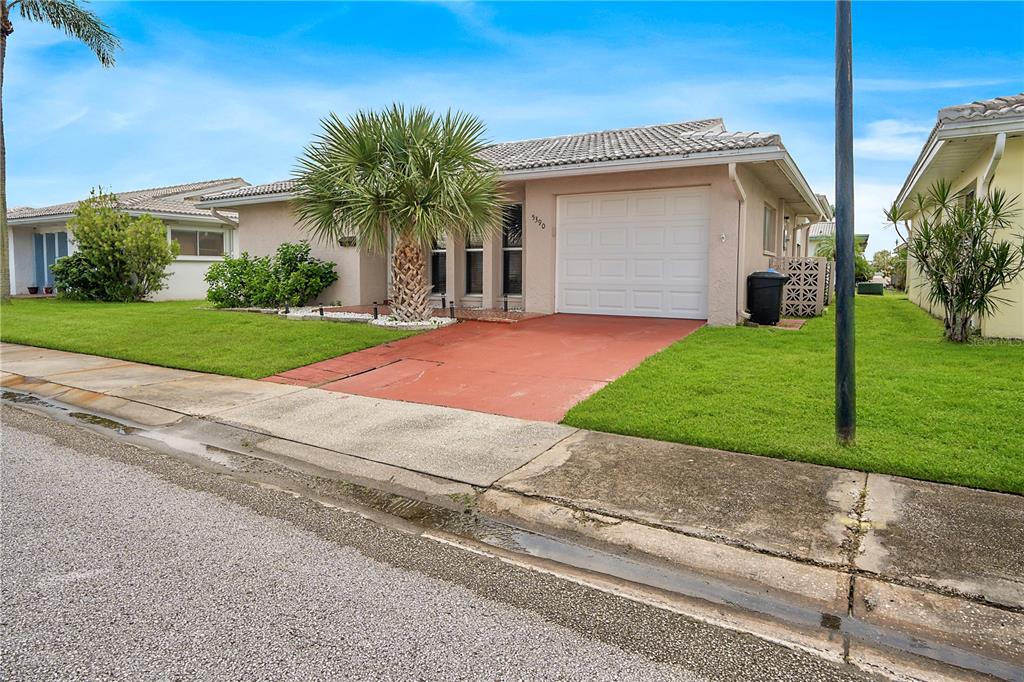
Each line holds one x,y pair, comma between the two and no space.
204,90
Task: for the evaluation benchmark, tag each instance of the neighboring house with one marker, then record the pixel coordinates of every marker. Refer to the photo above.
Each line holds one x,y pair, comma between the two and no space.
661,221
39,236
826,229
976,147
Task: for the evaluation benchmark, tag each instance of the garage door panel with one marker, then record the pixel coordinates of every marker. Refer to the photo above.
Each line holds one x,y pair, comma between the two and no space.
688,303
613,208
612,237
612,301
613,268
576,298
653,205
647,269
578,207
578,238
649,237
634,253
578,268
648,300
687,269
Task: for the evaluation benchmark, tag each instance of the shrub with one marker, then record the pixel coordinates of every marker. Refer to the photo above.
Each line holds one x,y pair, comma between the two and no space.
119,257
75,278
291,277
240,282
299,276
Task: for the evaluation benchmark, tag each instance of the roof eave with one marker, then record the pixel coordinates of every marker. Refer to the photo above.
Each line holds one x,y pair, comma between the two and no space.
793,174
947,130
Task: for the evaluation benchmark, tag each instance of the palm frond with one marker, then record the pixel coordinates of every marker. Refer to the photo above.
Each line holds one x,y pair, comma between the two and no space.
76,21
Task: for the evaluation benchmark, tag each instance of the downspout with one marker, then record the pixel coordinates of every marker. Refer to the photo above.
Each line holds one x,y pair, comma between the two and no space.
997,155
741,223
223,218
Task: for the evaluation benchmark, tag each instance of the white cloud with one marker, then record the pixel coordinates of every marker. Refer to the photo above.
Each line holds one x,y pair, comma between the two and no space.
912,85
871,198
892,140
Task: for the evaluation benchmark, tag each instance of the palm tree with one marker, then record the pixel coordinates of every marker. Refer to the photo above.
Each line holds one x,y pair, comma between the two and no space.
399,179
75,21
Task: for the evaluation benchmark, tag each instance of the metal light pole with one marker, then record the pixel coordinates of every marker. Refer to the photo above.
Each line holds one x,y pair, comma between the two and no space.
846,390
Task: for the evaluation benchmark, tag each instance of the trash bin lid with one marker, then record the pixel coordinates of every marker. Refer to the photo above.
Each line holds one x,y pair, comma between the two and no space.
767,274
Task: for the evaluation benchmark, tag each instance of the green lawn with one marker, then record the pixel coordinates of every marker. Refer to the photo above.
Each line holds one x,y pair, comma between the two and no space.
181,334
927,408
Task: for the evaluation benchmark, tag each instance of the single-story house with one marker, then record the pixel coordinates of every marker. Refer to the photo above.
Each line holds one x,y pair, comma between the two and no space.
661,221
976,147
826,229
39,236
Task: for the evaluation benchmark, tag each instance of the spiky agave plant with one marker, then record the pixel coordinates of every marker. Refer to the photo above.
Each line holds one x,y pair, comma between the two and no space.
399,177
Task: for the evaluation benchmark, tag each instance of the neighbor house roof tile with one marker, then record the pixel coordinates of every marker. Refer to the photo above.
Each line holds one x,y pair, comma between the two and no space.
172,199
997,107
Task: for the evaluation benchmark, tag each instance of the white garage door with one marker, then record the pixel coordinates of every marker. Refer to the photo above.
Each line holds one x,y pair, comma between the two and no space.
634,253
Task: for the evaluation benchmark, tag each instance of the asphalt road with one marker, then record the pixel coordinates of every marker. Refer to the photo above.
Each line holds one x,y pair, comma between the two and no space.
125,563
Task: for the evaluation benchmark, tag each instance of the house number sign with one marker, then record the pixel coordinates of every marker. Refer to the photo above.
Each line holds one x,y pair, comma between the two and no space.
538,221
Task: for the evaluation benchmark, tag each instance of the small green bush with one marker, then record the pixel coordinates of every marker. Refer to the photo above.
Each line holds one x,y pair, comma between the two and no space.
291,277
240,282
74,278
119,257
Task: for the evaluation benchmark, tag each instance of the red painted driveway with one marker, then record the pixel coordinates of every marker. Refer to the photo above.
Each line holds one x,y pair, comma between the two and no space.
534,369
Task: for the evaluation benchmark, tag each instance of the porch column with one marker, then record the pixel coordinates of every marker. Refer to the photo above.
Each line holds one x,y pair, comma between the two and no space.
492,272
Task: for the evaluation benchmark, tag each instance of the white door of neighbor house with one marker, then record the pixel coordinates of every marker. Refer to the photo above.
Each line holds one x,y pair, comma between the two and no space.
634,253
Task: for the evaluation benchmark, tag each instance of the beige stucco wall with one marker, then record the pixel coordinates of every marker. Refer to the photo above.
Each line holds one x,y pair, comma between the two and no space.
1008,321
361,276
540,230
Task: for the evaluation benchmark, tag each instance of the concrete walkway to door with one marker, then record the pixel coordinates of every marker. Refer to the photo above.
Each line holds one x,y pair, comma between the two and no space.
534,369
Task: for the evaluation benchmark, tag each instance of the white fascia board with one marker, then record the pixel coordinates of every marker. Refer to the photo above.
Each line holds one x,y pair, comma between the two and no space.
971,128
245,201
64,217
771,153
40,220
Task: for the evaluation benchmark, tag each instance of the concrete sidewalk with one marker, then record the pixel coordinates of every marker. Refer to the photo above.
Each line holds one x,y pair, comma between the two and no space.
469,447
944,565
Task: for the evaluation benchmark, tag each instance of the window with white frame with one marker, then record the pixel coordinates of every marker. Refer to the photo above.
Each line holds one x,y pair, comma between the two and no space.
200,242
439,267
474,265
770,220
512,251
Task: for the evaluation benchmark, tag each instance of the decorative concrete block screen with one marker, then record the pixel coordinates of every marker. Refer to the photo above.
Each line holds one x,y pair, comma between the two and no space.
807,290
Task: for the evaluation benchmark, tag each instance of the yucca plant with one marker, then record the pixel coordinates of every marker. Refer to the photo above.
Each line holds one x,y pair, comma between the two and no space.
955,244
399,179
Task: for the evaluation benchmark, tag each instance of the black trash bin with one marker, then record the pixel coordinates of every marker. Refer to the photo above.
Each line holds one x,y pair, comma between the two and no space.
764,296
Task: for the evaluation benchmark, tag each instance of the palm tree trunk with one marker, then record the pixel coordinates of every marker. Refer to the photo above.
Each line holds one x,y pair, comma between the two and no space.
5,256
410,292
